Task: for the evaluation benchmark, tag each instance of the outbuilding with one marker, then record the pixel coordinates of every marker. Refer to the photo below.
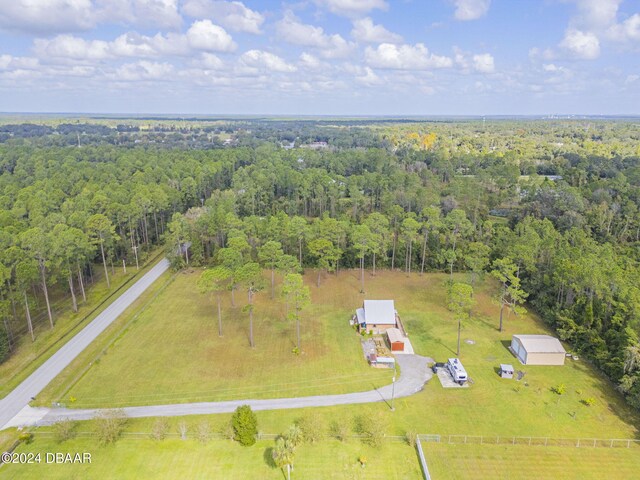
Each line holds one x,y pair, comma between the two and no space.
506,370
538,350
396,340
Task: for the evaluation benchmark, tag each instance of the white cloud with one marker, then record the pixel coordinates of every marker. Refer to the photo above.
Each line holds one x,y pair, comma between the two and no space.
405,57
629,30
595,14
143,70
483,63
584,45
351,8
233,15
204,35
266,61
159,13
311,62
369,78
631,79
210,61
46,16
291,30
364,30
9,62
71,47
471,9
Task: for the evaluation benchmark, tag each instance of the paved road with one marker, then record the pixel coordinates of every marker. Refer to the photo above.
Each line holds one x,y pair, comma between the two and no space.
19,398
414,374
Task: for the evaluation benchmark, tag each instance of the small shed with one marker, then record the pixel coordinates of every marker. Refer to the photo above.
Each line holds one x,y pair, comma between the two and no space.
381,362
538,350
506,370
396,340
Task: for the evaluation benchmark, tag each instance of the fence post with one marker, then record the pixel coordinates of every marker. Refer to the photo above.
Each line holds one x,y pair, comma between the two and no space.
480,439
578,443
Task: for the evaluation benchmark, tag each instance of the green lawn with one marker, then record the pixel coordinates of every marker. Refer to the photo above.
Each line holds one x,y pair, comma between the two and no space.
29,355
495,462
173,458
172,353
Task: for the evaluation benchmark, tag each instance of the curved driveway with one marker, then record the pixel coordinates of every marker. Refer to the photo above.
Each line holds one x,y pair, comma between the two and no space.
19,398
414,374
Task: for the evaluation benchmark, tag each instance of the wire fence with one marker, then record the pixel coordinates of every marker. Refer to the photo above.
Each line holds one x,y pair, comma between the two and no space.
532,441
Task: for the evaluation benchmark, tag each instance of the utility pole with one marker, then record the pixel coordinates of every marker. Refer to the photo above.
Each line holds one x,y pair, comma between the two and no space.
393,387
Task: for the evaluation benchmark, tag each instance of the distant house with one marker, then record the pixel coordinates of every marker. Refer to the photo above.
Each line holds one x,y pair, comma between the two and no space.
376,316
538,350
396,339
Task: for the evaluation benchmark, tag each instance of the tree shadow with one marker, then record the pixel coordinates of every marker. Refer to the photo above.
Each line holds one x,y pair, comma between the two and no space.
268,457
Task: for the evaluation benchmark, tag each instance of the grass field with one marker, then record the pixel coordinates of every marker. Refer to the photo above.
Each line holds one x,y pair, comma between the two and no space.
495,462
172,458
173,352
29,355
154,354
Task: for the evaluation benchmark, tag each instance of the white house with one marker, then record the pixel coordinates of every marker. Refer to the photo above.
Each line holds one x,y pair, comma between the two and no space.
376,316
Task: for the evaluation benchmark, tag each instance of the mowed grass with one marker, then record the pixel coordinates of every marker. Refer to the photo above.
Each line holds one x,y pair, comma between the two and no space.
29,355
173,353
172,458
495,462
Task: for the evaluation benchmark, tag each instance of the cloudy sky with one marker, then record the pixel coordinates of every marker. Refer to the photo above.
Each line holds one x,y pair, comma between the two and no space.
392,57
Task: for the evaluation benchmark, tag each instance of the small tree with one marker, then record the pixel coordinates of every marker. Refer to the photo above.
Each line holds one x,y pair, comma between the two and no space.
269,255
312,427
215,280
245,425
183,429
64,430
283,454
109,425
511,294
203,432
160,429
298,295
250,277
460,301
373,428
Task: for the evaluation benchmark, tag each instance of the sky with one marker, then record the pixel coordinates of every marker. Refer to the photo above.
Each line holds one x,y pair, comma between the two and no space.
321,57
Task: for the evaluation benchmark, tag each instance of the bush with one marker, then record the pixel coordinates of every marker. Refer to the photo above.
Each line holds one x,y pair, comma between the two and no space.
25,437
559,389
589,401
109,425
312,427
160,429
411,437
340,430
203,432
372,428
64,430
245,425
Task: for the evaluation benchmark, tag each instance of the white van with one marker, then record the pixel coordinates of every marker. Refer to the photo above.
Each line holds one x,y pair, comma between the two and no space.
457,371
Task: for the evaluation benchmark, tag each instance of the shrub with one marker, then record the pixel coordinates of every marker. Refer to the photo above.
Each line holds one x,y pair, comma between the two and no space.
411,437
203,432
25,437
588,401
64,430
245,425
559,389
312,427
372,428
340,430
109,425
160,429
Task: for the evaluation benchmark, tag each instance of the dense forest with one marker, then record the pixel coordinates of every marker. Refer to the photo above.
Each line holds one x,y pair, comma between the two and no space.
549,208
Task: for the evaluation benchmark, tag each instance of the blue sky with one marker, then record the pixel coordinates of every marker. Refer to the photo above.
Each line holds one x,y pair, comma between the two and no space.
329,57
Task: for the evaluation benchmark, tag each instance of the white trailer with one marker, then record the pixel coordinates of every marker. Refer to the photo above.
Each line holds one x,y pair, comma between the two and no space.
457,371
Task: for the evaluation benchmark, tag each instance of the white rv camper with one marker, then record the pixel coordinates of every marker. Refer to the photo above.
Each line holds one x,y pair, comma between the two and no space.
457,371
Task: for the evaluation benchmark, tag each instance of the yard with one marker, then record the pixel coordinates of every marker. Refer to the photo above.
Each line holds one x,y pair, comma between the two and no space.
173,458
496,462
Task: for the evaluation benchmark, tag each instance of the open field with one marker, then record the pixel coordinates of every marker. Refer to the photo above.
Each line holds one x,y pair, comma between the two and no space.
494,462
173,458
29,355
193,363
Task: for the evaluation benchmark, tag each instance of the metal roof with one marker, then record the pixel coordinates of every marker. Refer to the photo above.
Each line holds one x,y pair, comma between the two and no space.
380,312
395,335
540,344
